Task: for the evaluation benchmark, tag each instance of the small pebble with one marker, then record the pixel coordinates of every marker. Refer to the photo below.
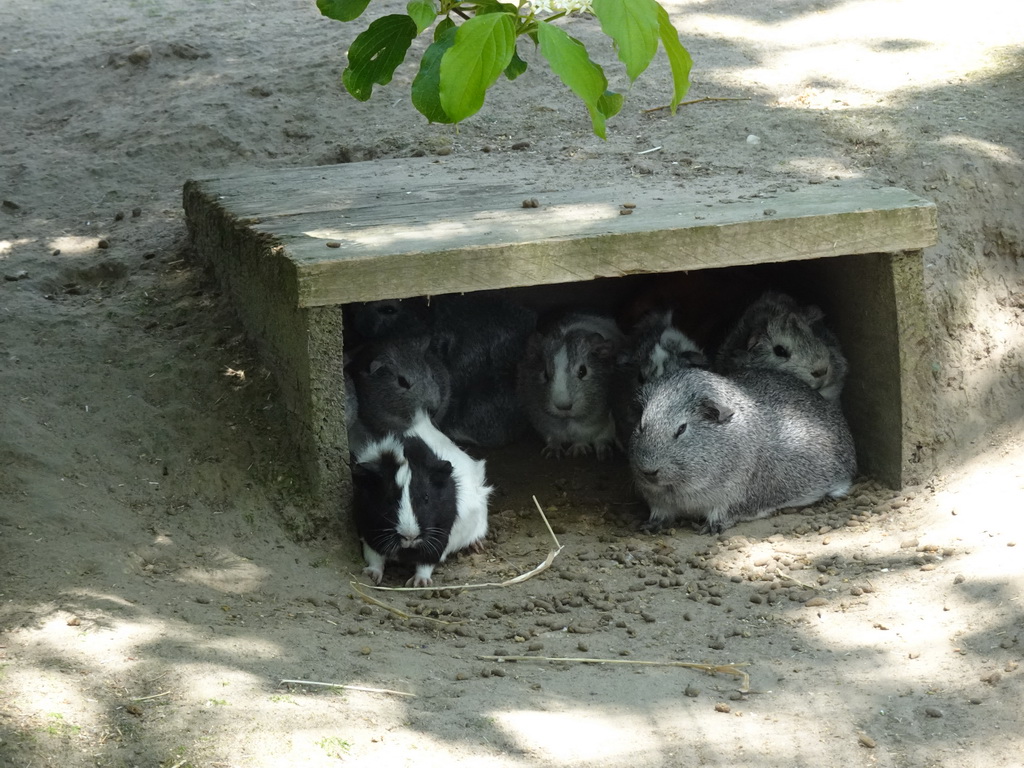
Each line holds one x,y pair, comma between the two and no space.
753,139
583,647
531,202
333,244
816,601
521,145
933,711
141,55
103,244
625,211
366,650
866,741
136,212
722,707
692,691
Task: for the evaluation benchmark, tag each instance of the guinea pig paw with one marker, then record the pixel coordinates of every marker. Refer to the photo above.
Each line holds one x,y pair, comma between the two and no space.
579,449
604,451
652,526
712,529
420,581
552,451
476,547
376,575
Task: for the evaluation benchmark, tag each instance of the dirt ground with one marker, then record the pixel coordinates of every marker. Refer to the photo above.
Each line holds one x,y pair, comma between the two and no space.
152,595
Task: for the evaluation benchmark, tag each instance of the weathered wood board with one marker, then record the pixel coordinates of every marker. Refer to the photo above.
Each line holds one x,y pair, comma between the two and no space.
400,234
293,246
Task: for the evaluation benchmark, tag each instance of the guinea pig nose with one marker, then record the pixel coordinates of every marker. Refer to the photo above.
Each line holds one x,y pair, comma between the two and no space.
820,373
650,474
564,406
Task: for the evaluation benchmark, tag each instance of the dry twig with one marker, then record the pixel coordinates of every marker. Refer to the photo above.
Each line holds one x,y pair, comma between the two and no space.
347,687
356,587
698,101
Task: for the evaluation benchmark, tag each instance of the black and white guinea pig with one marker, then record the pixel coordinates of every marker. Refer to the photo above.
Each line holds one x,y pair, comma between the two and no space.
418,498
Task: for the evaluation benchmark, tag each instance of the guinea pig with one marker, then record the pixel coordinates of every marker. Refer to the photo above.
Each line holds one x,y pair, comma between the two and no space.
776,333
417,498
654,348
481,339
564,383
717,450
358,434
372,320
396,376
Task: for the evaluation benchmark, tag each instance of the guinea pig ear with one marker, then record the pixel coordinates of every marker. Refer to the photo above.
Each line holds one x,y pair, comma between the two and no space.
601,347
440,472
720,413
755,339
812,314
374,366
696,359
366,470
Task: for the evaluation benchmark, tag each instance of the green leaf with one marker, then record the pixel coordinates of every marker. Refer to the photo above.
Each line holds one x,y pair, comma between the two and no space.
483,48
516,67
494,6
422,12
376,53
678,58
443,26
569,60
633,25
426,86
342,10
610,103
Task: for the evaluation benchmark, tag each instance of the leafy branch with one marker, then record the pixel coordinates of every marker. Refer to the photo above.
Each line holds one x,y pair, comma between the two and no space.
474,43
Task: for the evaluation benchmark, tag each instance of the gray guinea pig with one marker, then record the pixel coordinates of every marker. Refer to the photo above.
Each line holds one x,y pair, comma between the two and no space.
777,333
654,348
481,339
394,378
719,450
564,384
358,435
369,320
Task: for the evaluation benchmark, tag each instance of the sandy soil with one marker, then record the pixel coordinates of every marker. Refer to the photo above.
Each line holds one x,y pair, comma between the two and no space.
151,595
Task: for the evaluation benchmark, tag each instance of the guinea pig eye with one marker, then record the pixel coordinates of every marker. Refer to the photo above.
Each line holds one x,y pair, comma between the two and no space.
781,351
681,430
582,372
404,383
